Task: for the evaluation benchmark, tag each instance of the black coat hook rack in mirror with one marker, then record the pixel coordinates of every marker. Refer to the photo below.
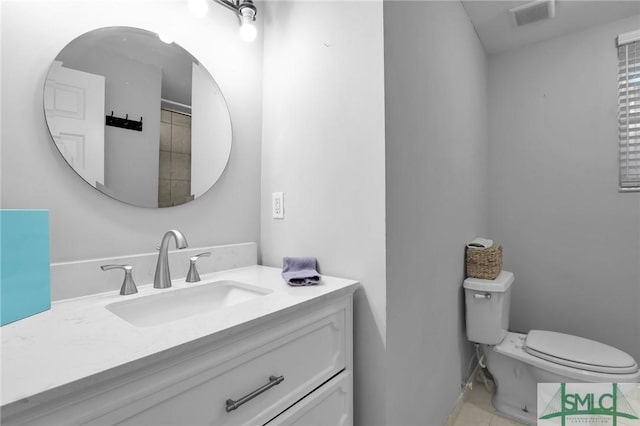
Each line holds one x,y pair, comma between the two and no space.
125,123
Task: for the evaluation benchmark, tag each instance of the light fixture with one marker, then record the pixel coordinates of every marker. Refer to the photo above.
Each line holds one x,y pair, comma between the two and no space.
248,30
246,12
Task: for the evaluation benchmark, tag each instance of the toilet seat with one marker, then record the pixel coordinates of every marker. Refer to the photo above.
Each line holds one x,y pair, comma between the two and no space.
578,352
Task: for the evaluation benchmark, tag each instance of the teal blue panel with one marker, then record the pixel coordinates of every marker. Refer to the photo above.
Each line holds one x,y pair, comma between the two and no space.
25,285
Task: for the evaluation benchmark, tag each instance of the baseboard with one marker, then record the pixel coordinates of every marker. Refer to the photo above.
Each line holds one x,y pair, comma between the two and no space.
463,397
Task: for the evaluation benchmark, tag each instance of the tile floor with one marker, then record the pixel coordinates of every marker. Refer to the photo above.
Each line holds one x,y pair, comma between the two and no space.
476,410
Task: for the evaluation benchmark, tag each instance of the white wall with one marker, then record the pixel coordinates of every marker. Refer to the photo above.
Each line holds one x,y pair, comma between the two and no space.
572,240
85,223
436,168
323,146
131,158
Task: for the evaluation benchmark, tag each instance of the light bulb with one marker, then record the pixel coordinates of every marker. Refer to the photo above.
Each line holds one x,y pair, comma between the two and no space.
247,13
198,8
248,31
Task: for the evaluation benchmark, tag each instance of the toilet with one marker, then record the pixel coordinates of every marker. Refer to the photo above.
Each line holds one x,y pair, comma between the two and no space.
518,362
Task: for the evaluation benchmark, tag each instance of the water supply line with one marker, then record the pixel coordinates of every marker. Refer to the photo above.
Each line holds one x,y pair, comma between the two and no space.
483,375
480,357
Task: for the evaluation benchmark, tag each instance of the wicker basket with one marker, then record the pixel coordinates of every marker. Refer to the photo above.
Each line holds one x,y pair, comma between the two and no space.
484,263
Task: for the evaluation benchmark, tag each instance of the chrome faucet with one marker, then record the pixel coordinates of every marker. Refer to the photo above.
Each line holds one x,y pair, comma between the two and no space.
193,276
128,285
162,278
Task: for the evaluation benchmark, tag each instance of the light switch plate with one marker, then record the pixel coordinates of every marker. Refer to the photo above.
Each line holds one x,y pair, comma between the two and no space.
277,205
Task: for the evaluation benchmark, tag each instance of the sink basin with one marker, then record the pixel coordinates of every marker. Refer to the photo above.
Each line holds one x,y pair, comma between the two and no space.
178,304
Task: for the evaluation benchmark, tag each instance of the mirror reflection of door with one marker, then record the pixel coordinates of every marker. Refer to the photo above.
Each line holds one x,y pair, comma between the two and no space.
174,183
74,104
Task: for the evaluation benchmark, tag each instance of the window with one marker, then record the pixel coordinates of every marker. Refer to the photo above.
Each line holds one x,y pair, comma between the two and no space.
629,110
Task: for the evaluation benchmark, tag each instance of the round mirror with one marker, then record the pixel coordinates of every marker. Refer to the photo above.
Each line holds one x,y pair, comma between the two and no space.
138,119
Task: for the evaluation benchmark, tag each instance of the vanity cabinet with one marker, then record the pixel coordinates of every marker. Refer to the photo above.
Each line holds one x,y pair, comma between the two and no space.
331,405
302,360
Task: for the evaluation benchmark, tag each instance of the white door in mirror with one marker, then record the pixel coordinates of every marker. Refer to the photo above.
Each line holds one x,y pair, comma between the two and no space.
74,106
277,205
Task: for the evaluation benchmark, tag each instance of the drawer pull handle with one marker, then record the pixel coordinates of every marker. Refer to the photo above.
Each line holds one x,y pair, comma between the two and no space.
273,380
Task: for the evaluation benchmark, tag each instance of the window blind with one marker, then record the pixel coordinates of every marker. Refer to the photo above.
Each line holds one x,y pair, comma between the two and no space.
629,114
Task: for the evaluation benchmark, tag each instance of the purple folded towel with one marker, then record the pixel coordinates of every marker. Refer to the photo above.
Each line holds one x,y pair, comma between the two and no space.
300,271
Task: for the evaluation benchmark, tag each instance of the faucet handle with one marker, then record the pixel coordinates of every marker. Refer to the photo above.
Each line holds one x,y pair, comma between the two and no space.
193,276
197,256
128,285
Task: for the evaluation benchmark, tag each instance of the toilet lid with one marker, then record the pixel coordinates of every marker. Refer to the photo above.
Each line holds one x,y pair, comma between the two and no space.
579,352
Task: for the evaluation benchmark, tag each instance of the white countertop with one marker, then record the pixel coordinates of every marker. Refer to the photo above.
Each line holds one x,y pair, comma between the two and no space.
79,338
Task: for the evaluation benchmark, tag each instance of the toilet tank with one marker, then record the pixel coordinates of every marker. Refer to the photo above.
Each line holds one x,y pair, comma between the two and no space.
487,303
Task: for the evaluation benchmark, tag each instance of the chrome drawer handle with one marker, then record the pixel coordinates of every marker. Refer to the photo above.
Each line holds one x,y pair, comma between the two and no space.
273,380
482,296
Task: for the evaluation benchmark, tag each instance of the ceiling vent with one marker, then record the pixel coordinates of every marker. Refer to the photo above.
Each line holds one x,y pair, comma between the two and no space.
533,12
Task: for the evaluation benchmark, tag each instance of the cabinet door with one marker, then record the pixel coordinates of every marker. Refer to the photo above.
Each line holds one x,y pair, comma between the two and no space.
305,352
330,405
